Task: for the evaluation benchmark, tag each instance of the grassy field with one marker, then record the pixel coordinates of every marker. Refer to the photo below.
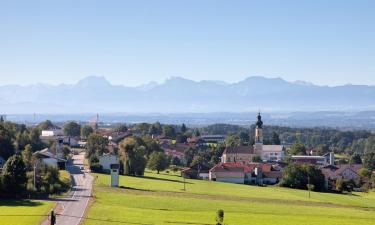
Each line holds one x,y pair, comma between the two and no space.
23,212
159,199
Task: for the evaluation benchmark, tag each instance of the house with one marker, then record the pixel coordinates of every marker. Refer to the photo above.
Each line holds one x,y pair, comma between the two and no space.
213,138
326,159
53,132
197,171
345,172
47,157
106,160
241,154
245,173
273,152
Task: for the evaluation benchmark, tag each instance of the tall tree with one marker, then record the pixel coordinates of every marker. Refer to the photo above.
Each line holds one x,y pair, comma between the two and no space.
6,143
275,138
96,145
14,176
157,161
72,129
27,154
183,128
86,130
297,148
120,128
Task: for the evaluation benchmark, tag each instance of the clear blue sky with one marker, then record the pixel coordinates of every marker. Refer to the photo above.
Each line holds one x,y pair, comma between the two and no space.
133,42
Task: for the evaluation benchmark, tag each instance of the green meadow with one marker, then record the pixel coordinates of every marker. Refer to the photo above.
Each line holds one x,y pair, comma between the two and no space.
160,199
23,212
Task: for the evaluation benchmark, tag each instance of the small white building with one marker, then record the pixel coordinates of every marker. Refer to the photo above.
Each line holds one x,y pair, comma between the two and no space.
52,132
106,160
272,152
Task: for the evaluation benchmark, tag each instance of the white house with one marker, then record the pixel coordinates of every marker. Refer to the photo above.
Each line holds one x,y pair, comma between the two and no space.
52,132
106,160
47,157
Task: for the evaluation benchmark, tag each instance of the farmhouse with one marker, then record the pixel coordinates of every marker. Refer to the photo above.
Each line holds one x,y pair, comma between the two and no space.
344,172
245,173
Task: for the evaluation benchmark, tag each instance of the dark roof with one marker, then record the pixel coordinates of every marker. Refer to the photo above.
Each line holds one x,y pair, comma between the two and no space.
239,150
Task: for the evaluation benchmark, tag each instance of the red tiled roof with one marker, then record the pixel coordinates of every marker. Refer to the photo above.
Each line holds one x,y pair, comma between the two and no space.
239,150
241,167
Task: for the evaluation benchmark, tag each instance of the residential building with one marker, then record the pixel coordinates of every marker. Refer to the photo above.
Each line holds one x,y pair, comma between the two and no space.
47,157
345,172
106,160
327,159
246,173
213,138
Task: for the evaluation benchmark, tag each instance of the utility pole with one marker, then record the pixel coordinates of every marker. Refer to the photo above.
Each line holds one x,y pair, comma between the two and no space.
308,184
35,176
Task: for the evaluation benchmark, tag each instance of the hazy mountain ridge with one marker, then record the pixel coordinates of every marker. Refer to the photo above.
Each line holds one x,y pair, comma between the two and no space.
96,94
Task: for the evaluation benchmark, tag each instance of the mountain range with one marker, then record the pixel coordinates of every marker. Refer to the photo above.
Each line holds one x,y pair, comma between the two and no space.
176,94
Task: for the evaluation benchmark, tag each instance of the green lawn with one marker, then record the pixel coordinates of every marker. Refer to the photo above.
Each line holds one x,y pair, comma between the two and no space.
159,199
23,212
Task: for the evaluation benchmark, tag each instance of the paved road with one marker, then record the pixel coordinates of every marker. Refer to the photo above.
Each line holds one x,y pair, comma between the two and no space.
70,210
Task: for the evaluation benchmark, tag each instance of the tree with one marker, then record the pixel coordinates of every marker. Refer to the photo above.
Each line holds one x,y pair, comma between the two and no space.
96,145
189,156
296,176
369,160
244,137
86,130
275,138
321,150
65,149
169,131
183,128
156,129
46,125
14,176
232,140
72,129
297,148
364,173
27,154
132,153
6,144
157,161
121,128
356,159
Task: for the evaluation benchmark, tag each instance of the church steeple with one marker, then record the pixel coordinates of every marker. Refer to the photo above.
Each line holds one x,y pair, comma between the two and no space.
258,130
259,122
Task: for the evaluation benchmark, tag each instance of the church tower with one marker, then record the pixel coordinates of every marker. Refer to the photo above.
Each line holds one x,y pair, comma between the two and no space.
259,135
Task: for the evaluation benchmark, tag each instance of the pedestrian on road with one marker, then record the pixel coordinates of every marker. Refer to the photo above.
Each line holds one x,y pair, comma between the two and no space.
53,218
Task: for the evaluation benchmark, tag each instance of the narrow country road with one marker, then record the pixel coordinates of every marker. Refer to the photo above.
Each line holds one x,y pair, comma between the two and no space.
70,210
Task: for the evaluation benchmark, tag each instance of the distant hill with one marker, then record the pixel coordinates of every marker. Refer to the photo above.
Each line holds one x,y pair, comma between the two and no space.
96,94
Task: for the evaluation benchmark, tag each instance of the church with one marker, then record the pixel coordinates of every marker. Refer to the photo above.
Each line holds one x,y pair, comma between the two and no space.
245,154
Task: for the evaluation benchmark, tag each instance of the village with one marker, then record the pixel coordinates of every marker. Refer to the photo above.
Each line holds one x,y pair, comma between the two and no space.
251,164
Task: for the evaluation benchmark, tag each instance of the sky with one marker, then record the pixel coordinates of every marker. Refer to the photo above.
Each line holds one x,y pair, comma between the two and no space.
135,42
